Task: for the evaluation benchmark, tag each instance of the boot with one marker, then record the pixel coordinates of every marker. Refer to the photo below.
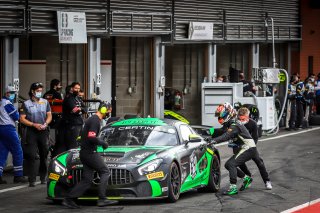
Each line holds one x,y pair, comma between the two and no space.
19,179
2,181
69,203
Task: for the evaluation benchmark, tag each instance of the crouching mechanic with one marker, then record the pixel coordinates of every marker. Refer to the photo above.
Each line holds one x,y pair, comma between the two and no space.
240,137
92,160
252,127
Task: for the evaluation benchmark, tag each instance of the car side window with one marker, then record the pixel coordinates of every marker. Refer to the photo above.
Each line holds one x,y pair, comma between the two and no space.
185,132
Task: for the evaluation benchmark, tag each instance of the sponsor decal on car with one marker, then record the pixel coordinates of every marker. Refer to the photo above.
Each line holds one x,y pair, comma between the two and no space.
155,175
54,176
193,165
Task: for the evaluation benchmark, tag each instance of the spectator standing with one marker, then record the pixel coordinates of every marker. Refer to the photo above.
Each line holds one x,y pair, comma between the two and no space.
35,116
317,90
54,92
309,96
72,120
248,86
291,104
299,103
9,140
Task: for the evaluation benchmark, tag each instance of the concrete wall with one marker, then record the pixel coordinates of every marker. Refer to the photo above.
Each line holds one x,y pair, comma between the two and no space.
48,48
130,103
175,77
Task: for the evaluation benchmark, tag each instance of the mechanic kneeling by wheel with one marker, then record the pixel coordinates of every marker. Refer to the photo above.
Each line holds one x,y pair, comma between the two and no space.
92,160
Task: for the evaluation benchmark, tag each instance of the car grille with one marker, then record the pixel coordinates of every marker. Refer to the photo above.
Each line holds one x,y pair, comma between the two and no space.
117,176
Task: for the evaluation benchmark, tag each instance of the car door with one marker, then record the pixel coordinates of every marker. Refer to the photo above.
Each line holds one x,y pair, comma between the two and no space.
189,158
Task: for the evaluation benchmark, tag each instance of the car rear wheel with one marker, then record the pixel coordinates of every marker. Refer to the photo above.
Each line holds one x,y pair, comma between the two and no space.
174,183
215,175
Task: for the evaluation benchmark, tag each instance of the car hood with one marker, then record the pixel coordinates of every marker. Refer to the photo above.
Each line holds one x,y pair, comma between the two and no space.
132,154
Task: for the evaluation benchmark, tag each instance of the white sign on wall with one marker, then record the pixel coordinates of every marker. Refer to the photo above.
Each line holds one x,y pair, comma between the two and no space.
72,27
200,31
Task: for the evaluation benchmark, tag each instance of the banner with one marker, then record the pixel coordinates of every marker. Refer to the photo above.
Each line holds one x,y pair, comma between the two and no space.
200,31
72,27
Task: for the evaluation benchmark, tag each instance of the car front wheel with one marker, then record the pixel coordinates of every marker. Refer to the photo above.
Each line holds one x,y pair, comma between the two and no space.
174,183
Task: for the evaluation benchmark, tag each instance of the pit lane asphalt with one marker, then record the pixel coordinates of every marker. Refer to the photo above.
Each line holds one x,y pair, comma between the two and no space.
292,161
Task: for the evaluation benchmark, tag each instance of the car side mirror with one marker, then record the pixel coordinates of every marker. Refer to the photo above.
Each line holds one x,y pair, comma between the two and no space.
193,138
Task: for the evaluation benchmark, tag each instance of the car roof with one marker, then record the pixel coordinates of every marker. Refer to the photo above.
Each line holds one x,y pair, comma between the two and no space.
146,122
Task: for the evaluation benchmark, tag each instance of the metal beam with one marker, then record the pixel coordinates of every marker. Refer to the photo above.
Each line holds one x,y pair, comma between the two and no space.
159,73
212,62
94,71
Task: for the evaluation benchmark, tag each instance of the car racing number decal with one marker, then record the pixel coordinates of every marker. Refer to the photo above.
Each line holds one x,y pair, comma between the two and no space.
54,176
155,175
193,165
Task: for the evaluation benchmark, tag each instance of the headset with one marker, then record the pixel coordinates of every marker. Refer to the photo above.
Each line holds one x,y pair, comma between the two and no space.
104,107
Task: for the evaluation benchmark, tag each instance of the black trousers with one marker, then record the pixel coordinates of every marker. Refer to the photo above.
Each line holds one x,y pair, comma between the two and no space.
91,162
243,170
318,104
239,159
300,114
293,114
35,147
66,138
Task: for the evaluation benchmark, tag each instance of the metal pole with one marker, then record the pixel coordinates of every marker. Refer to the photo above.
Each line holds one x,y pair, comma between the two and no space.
272,32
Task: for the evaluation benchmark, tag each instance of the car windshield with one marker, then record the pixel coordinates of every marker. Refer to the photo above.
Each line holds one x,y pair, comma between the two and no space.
140,136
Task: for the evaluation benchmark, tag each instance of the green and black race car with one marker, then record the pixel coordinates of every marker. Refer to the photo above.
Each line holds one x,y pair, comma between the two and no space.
148,158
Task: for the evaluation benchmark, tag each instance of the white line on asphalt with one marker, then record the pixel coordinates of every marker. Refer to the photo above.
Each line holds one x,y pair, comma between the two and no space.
280,136
301,206
15,188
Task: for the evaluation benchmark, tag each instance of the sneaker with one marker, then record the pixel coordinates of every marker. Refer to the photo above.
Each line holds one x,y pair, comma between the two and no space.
20,179
233,190
69,203
2,181
105,202
32,184
268,185
246,183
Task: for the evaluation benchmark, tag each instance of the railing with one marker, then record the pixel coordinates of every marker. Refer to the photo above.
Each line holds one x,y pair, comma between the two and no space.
12,19
135,22
242,32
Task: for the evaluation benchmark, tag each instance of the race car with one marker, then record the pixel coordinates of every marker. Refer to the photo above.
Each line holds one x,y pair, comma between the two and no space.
148,158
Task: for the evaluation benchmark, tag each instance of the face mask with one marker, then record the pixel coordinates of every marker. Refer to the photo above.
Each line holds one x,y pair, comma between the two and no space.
38,94
75,92
243,119
312,80
11,97
219,81
244,122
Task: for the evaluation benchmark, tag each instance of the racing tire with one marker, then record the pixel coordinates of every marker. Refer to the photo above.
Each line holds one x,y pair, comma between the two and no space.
174,183
214,176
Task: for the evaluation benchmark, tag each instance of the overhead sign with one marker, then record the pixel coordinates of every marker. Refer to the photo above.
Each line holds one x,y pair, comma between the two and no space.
200,31
72,27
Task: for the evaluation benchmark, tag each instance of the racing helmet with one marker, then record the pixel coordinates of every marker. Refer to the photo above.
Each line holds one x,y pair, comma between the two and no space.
225,112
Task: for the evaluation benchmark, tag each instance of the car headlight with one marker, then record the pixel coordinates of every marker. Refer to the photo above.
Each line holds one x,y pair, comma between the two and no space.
58,168
149,167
